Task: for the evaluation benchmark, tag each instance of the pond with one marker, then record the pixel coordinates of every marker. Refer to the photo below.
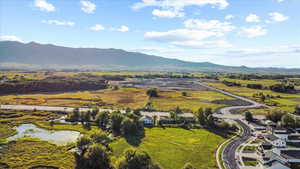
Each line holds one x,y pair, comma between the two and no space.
60,137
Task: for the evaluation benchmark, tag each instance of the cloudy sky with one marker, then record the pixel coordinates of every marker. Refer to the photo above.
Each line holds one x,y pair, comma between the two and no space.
231,32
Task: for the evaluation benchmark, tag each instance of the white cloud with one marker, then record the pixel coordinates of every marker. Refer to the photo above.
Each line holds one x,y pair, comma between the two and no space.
56,22
122,28
277,17
252,18
211,25
228,17
167,13
203,44
181,35
253,31
180,4
97,27
88,7
10,38
280,0
43,5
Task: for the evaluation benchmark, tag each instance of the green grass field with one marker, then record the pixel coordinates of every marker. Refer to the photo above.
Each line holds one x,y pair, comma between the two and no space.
29,152
169,100
172,147
286,102
264,82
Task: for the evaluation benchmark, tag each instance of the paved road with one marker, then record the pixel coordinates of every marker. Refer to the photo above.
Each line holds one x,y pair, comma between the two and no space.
70,109
230,149
229,158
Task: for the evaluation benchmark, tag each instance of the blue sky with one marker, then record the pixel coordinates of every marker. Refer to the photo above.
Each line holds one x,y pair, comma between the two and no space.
231,32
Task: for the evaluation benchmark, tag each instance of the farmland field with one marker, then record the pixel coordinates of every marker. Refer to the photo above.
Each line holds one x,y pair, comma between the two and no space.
172,147
122,98
193,101
286,102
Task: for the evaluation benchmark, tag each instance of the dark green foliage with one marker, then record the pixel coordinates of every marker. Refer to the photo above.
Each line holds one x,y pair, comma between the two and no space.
152,92
184,94
83,143
100,137
134,159
297,110
248,116
283,88
288,120
102,119
75,115
275,115
188,166
53,84
255,86
116,122
95,157
94,112
131,127
228,83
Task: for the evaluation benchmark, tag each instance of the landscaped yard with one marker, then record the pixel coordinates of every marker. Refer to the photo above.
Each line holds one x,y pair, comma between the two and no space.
173,147
169,100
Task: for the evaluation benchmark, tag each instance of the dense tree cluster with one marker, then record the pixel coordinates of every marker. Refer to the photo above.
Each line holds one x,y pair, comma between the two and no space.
93,152
135,159
283,88
228,83
254,86
53,84
275,115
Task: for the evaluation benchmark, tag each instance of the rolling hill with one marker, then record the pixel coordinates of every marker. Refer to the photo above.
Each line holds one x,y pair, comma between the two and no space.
16,55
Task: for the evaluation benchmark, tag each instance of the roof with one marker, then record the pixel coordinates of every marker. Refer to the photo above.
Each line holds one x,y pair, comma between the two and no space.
278,165
270,155
290,154
271,137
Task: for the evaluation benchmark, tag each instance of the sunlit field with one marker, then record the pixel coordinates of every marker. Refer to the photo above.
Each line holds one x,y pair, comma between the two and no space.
122,98
192,102
286,102
173,147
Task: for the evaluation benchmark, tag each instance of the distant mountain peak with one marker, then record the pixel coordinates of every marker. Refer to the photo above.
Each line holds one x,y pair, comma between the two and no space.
49,56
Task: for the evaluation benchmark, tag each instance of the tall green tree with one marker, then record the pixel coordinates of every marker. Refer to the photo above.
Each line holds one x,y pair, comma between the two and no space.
200,116
152,92
134,159
288,120
248,116
97,157
102,119
116,122
188,166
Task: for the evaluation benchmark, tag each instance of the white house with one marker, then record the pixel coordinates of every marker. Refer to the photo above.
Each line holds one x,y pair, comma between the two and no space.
275,141
147,120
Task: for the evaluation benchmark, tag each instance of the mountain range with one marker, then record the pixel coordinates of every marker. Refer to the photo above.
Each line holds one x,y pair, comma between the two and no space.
25,56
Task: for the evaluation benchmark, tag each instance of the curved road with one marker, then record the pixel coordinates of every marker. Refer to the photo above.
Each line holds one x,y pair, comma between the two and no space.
228,154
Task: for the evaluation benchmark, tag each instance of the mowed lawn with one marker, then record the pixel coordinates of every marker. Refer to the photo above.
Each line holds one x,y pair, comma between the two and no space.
122,98
169,100
173,147
286,102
